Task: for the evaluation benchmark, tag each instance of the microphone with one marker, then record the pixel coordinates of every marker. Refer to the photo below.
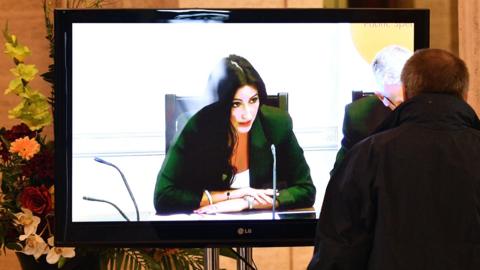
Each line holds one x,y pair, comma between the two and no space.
97,159
274,181
391,102
104,201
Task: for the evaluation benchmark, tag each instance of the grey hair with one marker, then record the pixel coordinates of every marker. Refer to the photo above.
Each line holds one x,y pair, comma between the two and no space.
388,64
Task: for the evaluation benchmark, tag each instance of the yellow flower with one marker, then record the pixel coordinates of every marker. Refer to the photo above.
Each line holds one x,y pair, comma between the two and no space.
55,253
33,110
16,50
25,147
16,86
26,72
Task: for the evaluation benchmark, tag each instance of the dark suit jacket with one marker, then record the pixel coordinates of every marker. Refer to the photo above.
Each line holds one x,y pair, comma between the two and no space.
197,161
407,198
362,117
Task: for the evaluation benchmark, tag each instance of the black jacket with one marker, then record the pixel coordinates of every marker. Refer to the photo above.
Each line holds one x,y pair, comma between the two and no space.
197,162
361,118
409,196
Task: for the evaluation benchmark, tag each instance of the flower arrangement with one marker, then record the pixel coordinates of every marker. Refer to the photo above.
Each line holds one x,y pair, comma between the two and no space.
26,162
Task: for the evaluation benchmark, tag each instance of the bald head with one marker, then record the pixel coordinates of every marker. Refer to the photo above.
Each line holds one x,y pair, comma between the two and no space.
435,71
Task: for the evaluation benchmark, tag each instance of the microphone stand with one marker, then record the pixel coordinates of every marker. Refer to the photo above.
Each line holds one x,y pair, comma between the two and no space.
211,258
112,204
247,252
124,181
274,181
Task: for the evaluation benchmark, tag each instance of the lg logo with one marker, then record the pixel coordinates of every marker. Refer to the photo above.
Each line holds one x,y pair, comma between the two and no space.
242,231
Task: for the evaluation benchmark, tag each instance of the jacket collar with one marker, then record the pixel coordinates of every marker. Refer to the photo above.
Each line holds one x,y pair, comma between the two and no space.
435,110
259,150
258,138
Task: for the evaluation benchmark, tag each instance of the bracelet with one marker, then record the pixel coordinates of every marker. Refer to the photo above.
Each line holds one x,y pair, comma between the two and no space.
249,200
209,197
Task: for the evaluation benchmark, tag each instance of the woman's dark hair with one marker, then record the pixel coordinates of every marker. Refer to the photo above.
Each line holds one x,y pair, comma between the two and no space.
229,75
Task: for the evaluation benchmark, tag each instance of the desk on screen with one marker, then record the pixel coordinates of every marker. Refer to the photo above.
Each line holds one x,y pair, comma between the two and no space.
304,213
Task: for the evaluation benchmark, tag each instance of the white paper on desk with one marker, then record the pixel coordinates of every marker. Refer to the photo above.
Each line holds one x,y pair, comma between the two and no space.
218,216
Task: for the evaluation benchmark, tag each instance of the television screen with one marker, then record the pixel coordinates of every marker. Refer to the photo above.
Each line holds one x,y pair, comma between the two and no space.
208,127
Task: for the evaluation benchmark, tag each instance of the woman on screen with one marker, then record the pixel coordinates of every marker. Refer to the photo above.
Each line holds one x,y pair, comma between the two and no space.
222,160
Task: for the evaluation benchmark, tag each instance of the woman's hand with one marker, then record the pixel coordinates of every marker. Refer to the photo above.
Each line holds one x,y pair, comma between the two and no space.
232,205
236,205
261,196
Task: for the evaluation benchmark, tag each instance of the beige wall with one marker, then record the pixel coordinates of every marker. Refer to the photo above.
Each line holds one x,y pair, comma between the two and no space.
250,3
443,23
469,49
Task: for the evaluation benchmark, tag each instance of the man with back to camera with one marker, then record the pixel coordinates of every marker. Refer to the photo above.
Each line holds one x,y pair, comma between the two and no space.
362,116
408,197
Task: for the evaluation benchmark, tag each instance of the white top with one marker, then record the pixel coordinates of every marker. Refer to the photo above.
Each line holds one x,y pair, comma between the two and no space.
241,180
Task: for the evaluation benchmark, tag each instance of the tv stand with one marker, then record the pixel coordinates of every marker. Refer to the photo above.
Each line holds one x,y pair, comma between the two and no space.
212,258
246,253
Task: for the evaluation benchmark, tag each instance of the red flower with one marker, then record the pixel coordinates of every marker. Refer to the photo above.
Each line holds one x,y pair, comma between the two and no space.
19,131
37,199
40,169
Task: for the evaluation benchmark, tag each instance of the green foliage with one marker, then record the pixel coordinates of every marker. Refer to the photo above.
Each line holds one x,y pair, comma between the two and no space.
34,109
151,258
49,76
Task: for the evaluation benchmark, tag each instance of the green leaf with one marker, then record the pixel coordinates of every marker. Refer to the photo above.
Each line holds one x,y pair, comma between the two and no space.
129,262
61,262
228,252
13,246
119,258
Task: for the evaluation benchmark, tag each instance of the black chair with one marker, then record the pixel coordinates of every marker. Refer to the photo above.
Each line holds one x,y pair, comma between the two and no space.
179,109
357,94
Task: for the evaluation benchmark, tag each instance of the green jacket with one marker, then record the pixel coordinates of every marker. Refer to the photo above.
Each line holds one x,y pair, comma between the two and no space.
197,162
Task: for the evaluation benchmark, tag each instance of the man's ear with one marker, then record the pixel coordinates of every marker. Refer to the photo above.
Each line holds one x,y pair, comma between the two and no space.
465,95
404,92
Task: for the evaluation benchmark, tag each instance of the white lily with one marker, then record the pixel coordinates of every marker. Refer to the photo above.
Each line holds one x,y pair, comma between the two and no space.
28,221
35,245
55,253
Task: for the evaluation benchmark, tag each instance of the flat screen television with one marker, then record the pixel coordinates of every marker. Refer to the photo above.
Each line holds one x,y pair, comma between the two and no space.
117,71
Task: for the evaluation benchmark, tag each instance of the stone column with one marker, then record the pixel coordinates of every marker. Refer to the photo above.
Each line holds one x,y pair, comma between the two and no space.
443,23
469,46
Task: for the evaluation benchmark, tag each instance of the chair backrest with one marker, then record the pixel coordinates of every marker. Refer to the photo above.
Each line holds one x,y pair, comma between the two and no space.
179,109
357,94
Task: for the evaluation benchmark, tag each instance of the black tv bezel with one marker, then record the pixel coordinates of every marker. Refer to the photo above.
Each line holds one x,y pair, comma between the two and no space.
185,233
